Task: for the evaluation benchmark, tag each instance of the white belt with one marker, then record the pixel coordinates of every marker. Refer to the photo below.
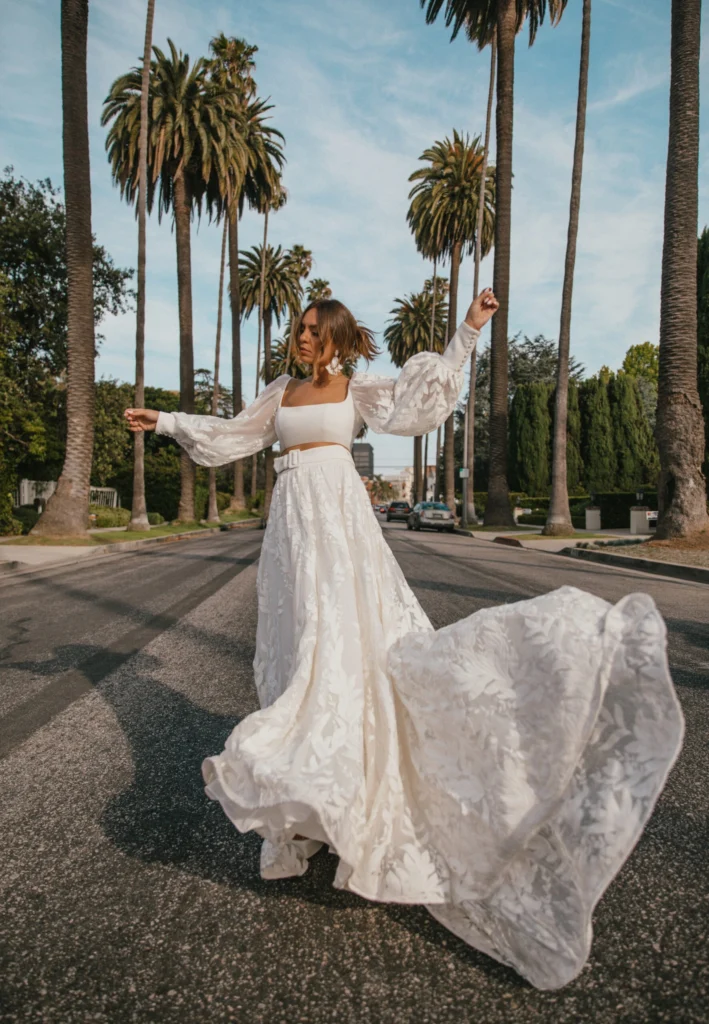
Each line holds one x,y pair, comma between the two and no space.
323,453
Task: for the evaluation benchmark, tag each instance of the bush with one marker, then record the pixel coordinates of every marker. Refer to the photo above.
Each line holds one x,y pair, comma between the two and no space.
26,516
154,518
12,527
223,500
256,502
108,517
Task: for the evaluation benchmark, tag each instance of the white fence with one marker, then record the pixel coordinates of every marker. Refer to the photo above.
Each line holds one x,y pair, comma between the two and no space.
29,490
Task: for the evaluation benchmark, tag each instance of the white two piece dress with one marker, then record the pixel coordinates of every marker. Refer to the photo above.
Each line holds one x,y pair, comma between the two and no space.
498,770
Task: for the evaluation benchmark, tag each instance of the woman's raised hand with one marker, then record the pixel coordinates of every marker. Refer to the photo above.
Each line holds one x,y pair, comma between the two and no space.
483,307
141,419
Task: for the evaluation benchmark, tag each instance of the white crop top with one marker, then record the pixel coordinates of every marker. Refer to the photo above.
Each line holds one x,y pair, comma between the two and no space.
305,424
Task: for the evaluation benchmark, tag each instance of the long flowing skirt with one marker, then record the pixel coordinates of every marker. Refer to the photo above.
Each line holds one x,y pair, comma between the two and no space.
499,770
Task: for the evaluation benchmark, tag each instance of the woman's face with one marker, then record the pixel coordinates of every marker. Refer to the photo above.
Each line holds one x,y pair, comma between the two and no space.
309,341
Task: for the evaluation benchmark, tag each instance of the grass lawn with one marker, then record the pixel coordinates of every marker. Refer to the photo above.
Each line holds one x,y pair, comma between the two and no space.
572,536
243,513
118,536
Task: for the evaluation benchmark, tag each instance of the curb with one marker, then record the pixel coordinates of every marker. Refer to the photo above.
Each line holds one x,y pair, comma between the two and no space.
691,573
11,570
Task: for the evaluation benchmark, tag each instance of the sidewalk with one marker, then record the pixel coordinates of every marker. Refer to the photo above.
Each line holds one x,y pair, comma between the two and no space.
533,540
19,560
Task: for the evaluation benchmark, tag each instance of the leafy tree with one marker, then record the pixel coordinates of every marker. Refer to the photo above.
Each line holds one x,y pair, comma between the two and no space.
112,442
534,360
574,459
33,263
643,361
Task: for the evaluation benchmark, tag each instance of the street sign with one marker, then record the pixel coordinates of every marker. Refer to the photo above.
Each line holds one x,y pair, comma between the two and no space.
464,472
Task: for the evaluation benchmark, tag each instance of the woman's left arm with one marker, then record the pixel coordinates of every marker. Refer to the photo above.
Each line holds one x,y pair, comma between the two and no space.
427,389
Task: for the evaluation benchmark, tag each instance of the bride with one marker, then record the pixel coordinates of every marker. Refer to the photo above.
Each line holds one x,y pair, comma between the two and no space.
499,770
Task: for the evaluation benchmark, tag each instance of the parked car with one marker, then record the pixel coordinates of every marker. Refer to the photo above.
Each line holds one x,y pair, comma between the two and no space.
433,515
398,510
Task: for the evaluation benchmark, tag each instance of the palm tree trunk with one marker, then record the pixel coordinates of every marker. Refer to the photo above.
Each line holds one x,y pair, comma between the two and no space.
438,481
261,297
679,430
559,518
418,475
449,430
469,481
425,469
237,498
431,344
182,205
139,513
498,511
213,513
67,511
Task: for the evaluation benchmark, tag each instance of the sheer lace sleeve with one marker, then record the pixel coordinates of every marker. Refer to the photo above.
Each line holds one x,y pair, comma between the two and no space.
424,394
213,441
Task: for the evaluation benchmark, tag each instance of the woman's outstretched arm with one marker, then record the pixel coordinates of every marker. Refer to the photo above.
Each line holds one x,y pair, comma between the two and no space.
427,389
214,440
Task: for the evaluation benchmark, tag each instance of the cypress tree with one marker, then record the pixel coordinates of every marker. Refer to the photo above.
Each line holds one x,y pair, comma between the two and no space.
574,461
530,438
597,450
635,448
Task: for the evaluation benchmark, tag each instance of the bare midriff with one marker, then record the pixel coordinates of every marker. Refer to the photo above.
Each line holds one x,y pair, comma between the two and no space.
313,444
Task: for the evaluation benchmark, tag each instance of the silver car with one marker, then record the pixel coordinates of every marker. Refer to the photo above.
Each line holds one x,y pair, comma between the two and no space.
432,515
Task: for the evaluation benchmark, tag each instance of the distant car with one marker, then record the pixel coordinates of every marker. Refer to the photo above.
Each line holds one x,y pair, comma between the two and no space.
432,515
398,510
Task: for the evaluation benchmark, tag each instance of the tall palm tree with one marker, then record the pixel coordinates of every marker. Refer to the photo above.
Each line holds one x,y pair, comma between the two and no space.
67,511
469,454
194,144
302,259
270,283
139,512
438,287
559,517
318,289
213,510
680,429
443,218
484,20
417,324
233,65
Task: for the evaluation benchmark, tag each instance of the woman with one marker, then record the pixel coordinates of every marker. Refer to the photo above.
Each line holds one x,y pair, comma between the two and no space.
499,770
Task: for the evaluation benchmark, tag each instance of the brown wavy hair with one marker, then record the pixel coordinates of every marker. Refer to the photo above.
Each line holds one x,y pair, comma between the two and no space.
340,334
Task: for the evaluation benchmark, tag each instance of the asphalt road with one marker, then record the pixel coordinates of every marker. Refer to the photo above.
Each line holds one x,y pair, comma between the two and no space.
127,896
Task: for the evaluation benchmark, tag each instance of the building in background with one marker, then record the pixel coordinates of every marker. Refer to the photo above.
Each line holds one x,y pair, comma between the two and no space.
363,455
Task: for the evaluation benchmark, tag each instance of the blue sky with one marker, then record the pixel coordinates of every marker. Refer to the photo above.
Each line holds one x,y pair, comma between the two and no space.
361,88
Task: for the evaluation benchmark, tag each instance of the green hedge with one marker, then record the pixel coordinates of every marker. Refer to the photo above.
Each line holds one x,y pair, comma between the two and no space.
107,517
26,516
154,518
539,519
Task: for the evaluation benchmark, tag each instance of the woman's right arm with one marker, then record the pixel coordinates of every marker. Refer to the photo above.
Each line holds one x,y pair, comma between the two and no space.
213,440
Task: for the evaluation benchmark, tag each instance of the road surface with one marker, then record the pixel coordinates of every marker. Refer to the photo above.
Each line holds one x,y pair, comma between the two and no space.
128,896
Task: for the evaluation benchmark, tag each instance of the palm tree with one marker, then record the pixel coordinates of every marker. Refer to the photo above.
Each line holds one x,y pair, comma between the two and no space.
213,512
67,511
194,146
469,454
680,430
270,283
438,288
443,216
318,289
302,259
417,324
233,66
139,512
559,517
484,20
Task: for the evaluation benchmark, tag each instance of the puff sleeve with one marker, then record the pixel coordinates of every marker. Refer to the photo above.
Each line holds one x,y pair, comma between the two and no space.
213,440
423,395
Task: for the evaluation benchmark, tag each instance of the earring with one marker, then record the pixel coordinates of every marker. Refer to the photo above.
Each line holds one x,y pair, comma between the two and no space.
334,366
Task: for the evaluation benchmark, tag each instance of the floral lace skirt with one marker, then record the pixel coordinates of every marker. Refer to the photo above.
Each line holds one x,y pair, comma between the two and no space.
499,770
